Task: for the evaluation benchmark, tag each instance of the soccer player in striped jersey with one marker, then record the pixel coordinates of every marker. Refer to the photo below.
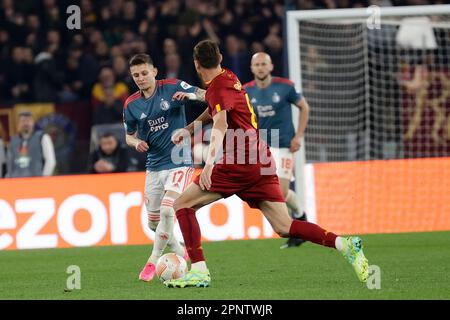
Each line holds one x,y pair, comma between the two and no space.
245,168
272,98
150,117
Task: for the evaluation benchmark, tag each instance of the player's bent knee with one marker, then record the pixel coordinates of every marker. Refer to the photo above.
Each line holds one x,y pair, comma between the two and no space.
153,220
167,212
179,204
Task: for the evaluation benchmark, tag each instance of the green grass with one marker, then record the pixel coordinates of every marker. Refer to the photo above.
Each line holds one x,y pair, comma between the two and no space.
413,266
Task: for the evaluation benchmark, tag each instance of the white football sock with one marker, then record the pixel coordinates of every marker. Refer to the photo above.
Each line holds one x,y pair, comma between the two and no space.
164,230
175,245
153,222
199,266
292,203
339,243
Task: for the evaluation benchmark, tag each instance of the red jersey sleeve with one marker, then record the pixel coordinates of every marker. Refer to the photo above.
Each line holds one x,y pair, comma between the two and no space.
221,99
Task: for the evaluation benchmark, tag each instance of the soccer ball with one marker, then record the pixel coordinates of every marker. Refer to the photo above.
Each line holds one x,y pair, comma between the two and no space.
171,266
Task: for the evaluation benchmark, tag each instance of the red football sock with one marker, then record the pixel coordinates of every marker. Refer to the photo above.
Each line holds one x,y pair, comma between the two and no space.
312,232
191,233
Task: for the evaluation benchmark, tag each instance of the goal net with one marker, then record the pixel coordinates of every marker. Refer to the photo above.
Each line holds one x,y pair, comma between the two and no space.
378,83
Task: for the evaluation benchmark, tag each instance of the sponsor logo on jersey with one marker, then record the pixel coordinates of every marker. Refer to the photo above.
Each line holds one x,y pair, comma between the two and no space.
276,98
165,105
158,124
143,116
265,111
185,85
253,100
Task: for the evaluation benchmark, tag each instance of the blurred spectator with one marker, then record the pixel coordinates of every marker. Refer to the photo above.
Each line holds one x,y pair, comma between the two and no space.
51,15
109,157
129,17
48,78
107,80
73,85
274,45
120,68
17,79
87,68
89,17
54,40
5,44
169,46
256,47
102,52
110,111
30,153
236,58
174,69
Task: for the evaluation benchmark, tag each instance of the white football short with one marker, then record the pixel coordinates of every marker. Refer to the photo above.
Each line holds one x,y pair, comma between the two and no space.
158,182
284,160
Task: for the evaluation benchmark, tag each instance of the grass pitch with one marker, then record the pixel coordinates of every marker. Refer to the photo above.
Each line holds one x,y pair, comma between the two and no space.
413,266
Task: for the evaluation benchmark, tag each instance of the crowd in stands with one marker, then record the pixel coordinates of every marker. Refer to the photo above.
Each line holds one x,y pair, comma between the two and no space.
41,60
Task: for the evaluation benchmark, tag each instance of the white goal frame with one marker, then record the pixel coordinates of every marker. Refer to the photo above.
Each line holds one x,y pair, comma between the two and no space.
293,45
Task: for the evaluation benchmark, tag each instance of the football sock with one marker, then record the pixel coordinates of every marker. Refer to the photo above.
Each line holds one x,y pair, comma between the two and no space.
164,230
175,245
312,232
191,233
291,202
153,222
339,244
200,266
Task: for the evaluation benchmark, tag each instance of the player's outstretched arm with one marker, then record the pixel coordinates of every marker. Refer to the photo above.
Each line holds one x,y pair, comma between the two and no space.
199,94
217,135
303,117
202,119
133,141
189,130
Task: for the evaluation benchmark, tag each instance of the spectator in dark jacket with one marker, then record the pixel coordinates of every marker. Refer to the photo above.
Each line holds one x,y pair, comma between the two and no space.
109,157
48,79
110,111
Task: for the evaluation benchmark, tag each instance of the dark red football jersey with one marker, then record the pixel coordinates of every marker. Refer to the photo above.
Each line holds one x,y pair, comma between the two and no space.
241,142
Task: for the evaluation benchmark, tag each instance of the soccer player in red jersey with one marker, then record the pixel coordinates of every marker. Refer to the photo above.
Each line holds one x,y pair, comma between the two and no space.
245,168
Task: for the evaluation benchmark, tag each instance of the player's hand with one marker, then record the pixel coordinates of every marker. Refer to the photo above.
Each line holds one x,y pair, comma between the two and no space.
205,177
142,146
180,95
179,135
295,144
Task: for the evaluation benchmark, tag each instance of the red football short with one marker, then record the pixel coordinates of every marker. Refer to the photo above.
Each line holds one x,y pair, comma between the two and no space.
246,181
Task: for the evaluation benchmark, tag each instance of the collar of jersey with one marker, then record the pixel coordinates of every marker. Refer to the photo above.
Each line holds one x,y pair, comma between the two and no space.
210,81
154,91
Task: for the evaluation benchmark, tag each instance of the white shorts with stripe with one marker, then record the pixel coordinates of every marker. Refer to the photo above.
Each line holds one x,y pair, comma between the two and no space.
158,182
284,160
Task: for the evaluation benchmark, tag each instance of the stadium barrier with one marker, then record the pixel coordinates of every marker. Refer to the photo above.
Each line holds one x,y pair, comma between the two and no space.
348,198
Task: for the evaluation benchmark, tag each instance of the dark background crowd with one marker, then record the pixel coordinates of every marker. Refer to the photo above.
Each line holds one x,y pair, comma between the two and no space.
41,60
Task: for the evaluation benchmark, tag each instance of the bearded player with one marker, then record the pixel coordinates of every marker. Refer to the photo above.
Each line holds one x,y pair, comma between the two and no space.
254,180
272,98
150,116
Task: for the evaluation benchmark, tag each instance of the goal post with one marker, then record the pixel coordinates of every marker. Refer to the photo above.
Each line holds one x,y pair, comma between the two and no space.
376,79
